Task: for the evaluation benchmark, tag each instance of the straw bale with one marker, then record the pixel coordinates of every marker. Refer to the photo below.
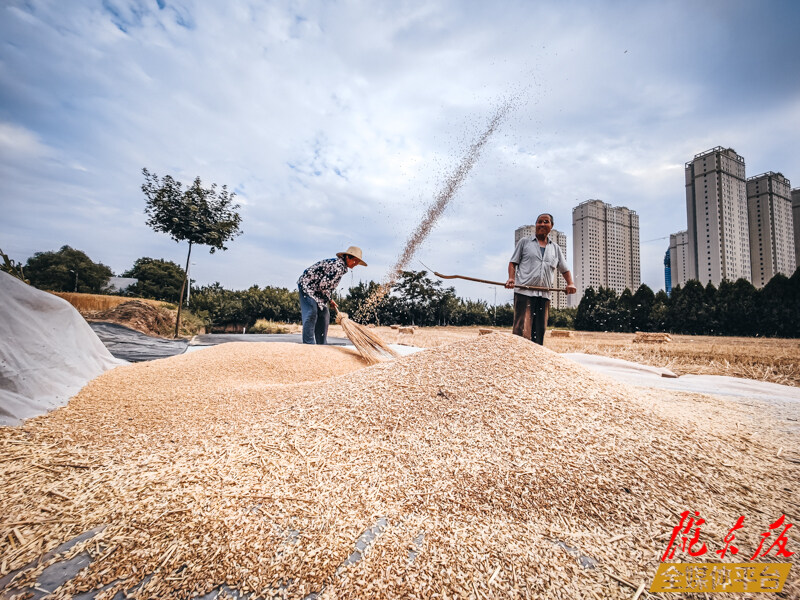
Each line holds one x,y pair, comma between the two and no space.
561,333
652,338
260,466
408,330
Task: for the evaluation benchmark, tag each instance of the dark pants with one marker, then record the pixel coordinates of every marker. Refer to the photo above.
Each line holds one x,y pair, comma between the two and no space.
530,317
315,320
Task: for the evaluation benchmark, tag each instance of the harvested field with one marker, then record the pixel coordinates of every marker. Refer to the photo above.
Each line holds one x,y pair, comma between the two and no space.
469,464
765,359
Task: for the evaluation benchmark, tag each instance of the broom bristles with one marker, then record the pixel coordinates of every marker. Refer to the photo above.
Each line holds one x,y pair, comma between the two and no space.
367,342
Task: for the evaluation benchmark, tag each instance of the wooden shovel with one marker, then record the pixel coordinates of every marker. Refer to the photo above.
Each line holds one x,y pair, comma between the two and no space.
524,287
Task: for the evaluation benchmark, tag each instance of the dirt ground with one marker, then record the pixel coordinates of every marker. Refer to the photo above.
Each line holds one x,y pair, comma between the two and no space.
763,359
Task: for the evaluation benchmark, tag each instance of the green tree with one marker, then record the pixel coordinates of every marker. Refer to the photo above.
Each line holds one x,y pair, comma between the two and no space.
222,306
709,310
563,318
198,215
659,313
417,294
272,303
736,308
585,316
505,315
381,312
606,315
686,311
158,279
643,301
67,270
624,314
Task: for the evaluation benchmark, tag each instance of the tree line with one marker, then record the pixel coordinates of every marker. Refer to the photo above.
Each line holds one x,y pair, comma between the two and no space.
735,308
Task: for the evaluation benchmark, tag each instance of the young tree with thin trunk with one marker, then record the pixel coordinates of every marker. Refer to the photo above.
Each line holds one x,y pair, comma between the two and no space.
199,215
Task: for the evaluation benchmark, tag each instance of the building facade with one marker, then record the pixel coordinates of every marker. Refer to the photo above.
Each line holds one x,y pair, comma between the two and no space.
605,243
796,218
558,299
679,258
772,245
667,273
717,217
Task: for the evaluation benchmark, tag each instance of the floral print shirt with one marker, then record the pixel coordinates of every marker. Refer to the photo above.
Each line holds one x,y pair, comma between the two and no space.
320,279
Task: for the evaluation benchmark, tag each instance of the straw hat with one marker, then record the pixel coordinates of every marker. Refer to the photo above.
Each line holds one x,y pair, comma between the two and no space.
353,251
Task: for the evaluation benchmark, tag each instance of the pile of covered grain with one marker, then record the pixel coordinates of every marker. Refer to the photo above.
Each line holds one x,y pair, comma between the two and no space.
490,467
138,315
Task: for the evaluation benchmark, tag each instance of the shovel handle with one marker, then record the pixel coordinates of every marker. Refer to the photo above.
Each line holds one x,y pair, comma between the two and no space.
523,287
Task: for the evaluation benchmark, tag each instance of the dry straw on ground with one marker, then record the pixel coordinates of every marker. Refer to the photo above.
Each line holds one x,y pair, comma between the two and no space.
653,338
96,302
259,465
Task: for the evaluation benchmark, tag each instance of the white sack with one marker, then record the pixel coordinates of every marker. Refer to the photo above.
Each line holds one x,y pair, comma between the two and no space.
48,352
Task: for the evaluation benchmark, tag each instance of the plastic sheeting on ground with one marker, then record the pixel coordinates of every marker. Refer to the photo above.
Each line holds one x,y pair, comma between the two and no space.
48,352
134,346
719,385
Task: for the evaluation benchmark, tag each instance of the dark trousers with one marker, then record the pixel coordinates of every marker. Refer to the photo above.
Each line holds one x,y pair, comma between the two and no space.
315,319
530,317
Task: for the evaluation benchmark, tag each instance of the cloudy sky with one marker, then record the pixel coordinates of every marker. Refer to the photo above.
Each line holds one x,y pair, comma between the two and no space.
337,123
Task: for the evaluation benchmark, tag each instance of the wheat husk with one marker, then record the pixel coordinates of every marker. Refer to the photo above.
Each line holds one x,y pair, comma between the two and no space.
259,466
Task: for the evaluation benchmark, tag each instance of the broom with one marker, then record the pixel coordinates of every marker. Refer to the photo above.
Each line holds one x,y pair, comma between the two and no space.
366,341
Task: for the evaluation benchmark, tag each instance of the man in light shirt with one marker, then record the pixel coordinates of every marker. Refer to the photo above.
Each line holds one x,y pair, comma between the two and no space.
534,263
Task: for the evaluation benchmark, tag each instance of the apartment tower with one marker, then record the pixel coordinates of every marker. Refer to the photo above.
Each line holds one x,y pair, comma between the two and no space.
605,247
667,273
558,299
716,214
796,218
679,258
772,244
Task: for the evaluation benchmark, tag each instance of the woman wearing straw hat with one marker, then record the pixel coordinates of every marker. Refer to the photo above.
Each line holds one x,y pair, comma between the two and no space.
316,286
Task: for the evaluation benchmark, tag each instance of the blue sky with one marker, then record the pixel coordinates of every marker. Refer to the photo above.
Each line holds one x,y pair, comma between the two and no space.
336,123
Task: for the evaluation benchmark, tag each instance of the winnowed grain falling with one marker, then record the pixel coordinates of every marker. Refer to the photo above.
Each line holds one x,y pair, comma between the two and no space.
435,210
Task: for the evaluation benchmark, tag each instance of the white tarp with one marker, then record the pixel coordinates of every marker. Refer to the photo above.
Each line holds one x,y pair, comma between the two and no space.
48,352
719,385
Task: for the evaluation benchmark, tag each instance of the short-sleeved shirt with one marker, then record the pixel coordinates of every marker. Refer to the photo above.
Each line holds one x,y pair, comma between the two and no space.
320,279
535,267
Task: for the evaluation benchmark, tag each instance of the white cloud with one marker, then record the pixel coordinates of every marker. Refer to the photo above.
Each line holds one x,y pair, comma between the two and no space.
338,124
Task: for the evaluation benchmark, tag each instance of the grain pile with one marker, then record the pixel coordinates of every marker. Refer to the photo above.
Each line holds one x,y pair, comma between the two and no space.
471,464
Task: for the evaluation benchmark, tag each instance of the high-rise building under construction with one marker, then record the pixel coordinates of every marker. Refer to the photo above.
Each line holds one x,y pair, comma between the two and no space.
716,211
605,243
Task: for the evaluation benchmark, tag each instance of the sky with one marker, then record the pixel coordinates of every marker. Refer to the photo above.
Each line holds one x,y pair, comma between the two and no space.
338,123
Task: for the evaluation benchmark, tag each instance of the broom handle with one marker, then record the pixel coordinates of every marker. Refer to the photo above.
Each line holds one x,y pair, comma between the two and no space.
524,287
